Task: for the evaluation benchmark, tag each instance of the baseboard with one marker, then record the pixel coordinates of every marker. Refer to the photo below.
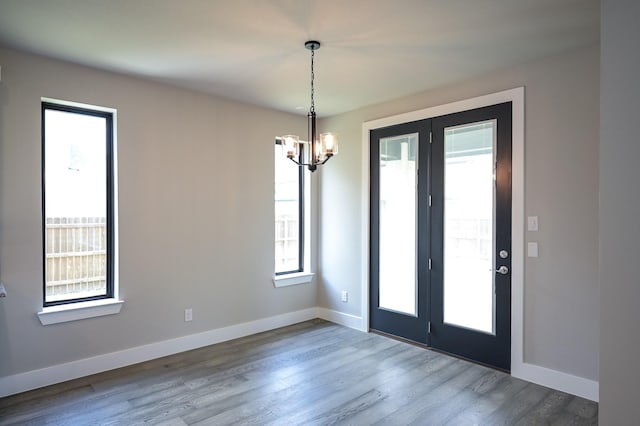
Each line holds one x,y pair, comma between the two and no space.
84,367
579,386
348,320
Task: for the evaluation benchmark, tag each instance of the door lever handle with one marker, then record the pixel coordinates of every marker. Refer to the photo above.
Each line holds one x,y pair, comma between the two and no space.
503,270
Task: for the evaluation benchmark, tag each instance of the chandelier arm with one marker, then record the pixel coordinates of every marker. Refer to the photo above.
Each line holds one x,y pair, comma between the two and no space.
327,159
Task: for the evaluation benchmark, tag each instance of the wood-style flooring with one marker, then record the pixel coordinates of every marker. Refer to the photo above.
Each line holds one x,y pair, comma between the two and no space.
312,373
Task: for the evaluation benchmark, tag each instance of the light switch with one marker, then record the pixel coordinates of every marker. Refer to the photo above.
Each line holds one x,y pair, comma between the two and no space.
532,249
532,223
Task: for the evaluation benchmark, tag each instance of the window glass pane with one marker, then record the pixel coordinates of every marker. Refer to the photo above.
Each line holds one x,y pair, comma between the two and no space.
287,214
468,226
75,203
398,277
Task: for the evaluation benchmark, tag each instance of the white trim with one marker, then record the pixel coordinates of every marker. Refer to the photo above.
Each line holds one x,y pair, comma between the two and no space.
306,276
84,367
365,230
517,230
78,104
292,279
79,310
555,379
348,320
83,310
544,376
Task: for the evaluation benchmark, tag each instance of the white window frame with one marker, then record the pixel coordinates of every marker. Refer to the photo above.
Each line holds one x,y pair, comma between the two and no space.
305,276
94,308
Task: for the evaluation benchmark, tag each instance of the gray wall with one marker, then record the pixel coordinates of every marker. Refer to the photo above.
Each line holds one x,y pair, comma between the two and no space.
184,170
196,221
561,187
619,214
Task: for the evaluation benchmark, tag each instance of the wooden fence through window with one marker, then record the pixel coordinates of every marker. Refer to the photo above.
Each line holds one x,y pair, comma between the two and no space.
76,257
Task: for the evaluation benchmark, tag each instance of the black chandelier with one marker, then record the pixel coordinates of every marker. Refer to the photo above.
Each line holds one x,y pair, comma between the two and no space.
316,151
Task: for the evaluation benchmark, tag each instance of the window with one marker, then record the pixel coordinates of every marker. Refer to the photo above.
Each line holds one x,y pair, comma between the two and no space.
289,214
78,203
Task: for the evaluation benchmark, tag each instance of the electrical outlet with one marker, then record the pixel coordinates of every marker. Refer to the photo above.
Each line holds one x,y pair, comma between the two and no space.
188,315
345,296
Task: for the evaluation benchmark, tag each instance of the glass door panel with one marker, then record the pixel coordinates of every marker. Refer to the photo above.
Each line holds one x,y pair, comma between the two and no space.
398,223
469,247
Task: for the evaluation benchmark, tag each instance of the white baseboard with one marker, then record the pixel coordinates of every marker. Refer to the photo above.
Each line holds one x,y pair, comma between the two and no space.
579,386
84,367
348,320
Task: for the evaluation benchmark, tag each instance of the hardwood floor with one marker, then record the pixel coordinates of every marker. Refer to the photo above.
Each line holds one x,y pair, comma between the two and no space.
311,373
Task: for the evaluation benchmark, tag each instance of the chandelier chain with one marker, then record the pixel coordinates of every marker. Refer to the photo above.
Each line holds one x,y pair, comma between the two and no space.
313,106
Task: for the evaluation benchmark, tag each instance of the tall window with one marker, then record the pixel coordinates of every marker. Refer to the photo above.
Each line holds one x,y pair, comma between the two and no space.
289,230
78,207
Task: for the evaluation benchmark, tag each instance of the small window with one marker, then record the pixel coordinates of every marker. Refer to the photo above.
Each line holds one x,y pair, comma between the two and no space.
78,203
289,214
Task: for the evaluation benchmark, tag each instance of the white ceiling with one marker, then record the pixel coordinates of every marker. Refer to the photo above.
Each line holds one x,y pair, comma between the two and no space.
252,50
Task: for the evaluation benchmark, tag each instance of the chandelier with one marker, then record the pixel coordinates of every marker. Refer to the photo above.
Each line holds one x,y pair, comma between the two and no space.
316,151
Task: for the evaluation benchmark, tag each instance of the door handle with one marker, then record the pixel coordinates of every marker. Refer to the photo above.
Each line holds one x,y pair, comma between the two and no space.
503,270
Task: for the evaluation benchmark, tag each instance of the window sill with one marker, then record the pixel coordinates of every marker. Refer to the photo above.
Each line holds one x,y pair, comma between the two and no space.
78,311
292,279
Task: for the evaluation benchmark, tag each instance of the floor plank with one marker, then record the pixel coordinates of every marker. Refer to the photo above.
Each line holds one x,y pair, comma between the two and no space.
312,373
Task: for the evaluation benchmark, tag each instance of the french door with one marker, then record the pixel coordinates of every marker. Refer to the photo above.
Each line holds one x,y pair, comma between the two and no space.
441,233
399,295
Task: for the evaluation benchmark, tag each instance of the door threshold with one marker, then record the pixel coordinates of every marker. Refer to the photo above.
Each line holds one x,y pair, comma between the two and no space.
430,348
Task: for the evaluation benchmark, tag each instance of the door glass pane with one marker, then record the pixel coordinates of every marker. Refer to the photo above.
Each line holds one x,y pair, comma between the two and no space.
398,174
468,226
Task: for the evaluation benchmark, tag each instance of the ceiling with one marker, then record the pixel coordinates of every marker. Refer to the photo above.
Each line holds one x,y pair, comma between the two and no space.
253,50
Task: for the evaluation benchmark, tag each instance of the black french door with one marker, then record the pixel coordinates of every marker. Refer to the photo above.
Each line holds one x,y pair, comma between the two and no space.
399,224
441,233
